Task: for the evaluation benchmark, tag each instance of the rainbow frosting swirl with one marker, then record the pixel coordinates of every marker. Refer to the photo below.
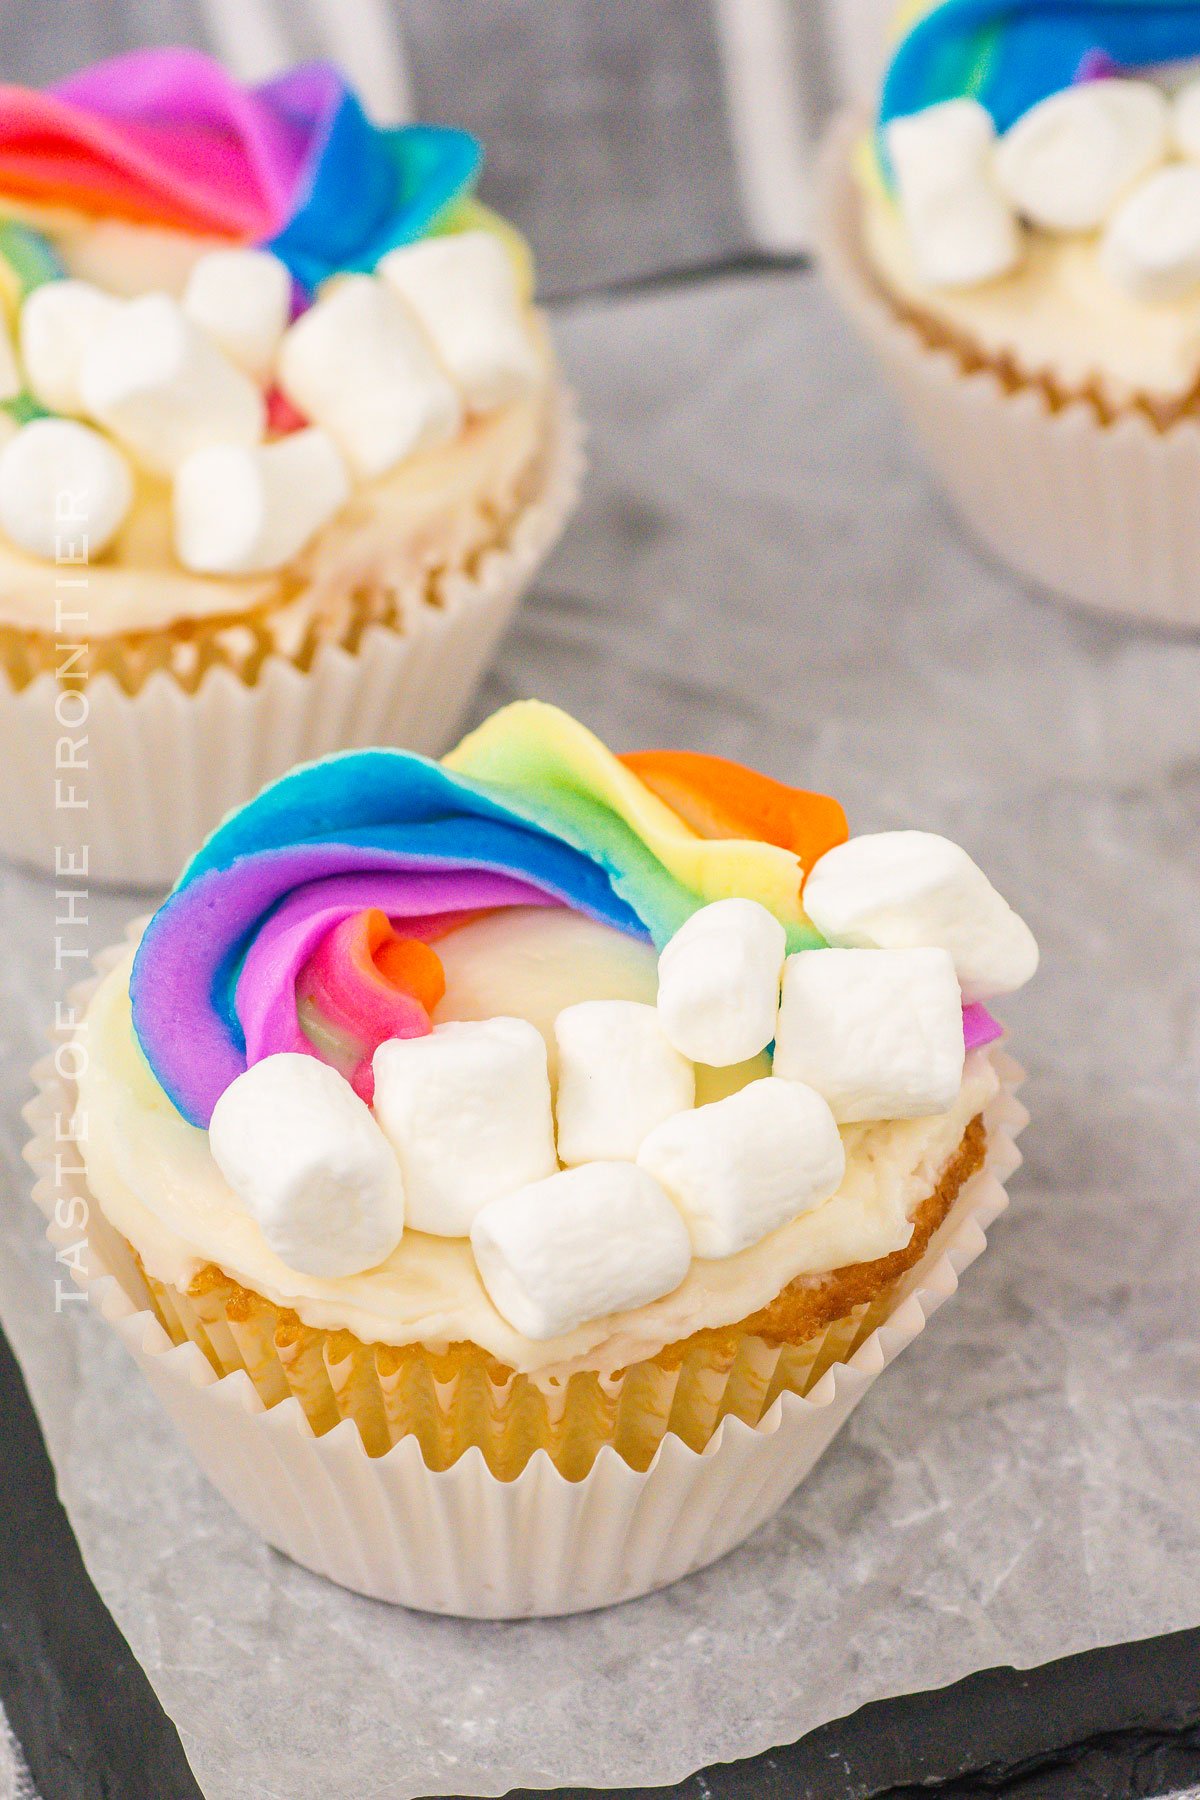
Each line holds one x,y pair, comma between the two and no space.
338,880
167,137
531,809
1009,54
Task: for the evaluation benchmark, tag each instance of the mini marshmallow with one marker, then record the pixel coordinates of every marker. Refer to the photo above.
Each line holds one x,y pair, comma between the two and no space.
64,489
242,299
960,228
741,1167
359,364
59,320
1152,245
1068,160
578,1246
718,982
618,1077
306,1159
10,373
878,1032
1185,121
467,1109
463,289
896,890
163,388
240,510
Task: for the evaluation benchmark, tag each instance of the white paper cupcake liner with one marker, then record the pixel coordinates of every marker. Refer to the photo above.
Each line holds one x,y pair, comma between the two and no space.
165,765
458,1540
1103,513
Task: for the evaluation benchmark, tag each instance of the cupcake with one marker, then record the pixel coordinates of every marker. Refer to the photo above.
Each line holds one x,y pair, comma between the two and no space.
1017,235
513,1169
281,441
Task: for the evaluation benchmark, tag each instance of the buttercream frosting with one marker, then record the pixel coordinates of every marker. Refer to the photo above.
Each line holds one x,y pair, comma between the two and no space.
154,1178
1064,311
128,176
429,931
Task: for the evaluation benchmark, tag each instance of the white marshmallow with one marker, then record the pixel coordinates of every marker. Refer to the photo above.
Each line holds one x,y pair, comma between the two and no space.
62,485
741,1167
59,320
618,1077
1185,121
10,373
960,227
242,299
578,1246
463,289
468,1111
897,890
158,384
306,1159
718,982
878,1032
239,510
359,364
1067,161
1152,245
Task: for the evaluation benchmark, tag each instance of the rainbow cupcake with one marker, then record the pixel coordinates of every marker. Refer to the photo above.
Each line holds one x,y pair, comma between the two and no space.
535,1144
281,442
1017,234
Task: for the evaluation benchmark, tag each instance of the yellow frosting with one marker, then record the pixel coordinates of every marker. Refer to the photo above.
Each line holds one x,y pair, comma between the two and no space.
538,748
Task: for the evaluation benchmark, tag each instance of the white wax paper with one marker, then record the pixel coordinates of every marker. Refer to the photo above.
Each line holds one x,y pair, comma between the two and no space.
762,570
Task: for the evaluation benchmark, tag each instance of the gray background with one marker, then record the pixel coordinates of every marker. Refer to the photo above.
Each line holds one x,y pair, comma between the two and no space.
760,568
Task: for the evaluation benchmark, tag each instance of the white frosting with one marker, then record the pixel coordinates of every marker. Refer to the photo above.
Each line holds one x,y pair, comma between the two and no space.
167,341
242,510
878,1032
434,510
242,299
155,1178
1066,162
960,227
358,363
467,1110
1058,315
64,490
463,290
1119,320
747,1165
580,1245
897,890
618,1077
718,982
303,1154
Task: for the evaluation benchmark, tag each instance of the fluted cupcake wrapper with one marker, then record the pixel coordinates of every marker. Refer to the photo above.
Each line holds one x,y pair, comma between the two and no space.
166,762
1098,506
615,1488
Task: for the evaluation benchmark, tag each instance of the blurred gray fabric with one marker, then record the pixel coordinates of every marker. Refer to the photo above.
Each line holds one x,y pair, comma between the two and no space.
606,124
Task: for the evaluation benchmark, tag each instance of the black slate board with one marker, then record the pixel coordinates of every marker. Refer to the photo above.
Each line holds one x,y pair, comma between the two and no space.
1122,1721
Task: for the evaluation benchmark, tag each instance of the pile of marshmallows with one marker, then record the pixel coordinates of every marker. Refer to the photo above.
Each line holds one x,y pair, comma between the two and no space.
462,1139
1112,156
382,366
